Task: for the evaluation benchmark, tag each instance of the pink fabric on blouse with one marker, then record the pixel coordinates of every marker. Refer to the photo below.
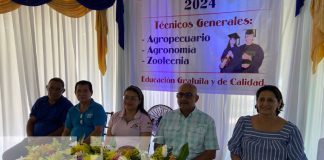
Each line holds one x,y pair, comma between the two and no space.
119,126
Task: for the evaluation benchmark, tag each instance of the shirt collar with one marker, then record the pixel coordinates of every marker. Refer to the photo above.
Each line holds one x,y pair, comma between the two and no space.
137,115
56,102
192,113
90,105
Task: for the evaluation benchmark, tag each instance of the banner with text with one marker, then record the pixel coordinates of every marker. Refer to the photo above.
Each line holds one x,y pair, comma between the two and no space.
224,47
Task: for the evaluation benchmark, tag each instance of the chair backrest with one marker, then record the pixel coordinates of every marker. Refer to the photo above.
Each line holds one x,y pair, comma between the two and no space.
320,149
156,113
109,114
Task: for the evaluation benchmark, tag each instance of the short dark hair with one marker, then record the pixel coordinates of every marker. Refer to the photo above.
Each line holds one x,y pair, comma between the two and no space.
139,92
249,31
56,79
84,82
275,91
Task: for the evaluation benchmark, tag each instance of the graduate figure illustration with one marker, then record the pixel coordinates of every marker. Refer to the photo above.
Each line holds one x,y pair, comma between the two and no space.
252,54
232,56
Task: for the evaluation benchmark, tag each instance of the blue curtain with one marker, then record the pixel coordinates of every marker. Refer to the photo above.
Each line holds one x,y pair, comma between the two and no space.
97,4
299,5
91,4
120,21
31,2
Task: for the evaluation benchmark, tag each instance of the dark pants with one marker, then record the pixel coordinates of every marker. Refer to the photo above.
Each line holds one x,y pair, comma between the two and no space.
16,151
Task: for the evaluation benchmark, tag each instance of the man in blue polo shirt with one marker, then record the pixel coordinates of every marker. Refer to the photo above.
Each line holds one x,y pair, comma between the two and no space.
188,125
47,118
87,118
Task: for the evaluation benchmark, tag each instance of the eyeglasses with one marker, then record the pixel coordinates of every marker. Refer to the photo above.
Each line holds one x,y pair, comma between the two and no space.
184,94
55,89
130,98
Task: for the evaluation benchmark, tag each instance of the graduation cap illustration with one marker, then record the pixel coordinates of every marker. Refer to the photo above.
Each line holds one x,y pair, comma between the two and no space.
251,31
235,36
